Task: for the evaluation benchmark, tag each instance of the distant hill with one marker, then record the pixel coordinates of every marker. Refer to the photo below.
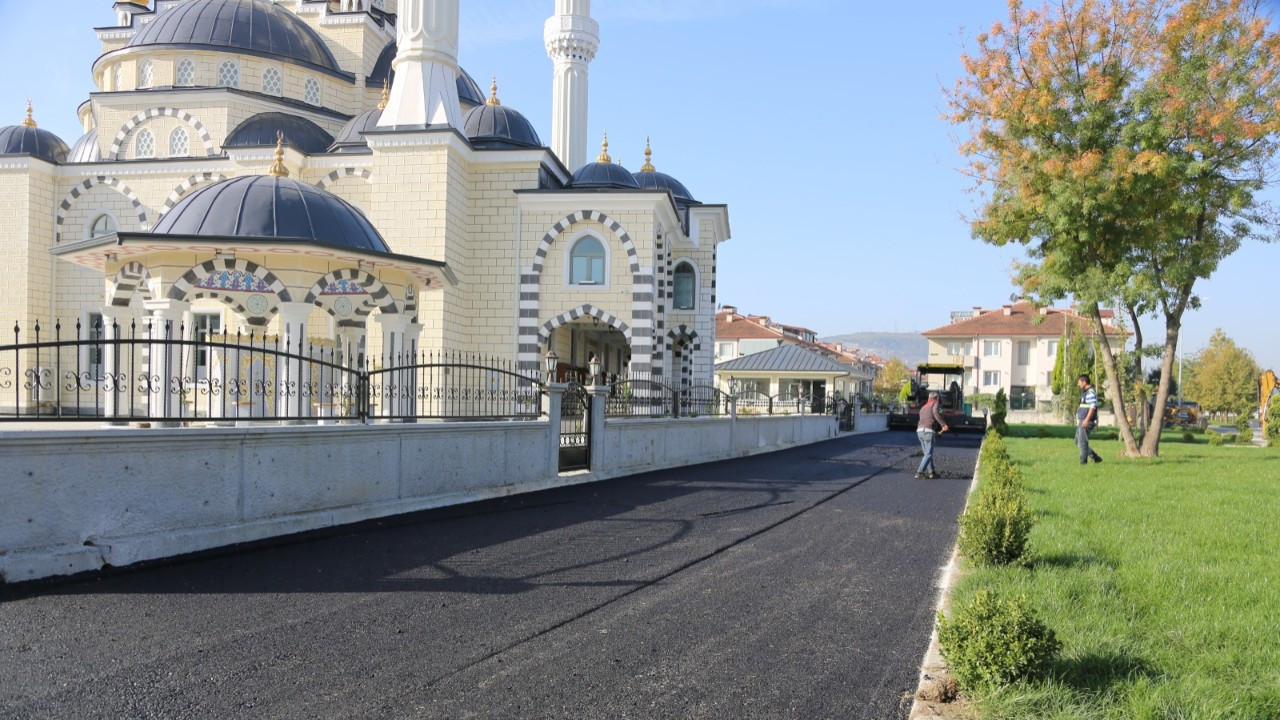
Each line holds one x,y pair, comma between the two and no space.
911,347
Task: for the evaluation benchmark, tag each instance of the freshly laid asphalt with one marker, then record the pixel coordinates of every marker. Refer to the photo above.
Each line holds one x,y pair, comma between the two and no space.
798,584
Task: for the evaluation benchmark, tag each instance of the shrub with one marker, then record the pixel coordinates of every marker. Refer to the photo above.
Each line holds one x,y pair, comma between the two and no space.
1217,438
999,411
1273,423
995,527
993,641
1245,436
1043,433
1187,437
993,444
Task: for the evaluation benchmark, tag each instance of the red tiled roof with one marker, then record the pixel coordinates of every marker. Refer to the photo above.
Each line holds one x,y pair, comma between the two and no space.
742,328
1021,318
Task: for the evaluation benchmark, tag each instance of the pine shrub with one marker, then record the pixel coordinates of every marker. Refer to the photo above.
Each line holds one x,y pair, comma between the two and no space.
991,641
999,411
1187,437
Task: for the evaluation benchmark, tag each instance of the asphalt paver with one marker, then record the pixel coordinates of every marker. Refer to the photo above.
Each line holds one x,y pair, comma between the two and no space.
797,584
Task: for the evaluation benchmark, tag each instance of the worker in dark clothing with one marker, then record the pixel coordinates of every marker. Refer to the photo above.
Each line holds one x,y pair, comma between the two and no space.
1087,419
930,415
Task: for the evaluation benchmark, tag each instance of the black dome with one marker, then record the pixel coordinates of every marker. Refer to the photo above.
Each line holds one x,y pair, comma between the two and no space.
653,180
264,206
490,126
299,133
33,141
469,93
86,149
256,26
351,137
604,175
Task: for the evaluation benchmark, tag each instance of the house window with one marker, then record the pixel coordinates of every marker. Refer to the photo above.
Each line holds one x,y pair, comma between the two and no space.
1052,346
186,75
685,280
956,347
146,73
204,325
724,350
991,348
104,224
179,144
145,145
229,74
1022,397
1024,353
586,262
272,82
312,93
990,378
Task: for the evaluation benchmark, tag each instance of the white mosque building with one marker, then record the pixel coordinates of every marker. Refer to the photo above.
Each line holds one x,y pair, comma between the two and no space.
301,167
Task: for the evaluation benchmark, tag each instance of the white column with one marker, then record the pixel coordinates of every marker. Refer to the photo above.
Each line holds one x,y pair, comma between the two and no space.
395,353
555,398
164,359
115,389
425,91
571,37
293,374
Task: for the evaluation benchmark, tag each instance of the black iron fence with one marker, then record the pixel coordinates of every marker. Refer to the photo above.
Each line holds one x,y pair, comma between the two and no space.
158,372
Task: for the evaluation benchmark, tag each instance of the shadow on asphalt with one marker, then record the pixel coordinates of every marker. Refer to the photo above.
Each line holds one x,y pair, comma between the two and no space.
441,550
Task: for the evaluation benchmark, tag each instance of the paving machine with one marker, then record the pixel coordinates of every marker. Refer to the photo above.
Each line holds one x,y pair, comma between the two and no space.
946,380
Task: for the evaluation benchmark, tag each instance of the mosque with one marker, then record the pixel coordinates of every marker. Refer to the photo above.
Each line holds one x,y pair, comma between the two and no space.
304,167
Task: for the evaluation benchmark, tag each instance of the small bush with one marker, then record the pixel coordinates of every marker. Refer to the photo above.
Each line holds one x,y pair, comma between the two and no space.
995,527
999,411
993,444
1245,436
1043,433
1188,437
1217,438
992,641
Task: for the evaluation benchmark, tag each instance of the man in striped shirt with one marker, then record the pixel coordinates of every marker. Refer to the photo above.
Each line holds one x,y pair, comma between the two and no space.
1087,417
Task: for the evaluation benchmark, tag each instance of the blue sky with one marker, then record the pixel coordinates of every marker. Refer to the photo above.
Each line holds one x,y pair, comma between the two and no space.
816,121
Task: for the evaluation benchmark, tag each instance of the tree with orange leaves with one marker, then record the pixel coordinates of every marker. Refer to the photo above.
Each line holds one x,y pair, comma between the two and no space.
1123,142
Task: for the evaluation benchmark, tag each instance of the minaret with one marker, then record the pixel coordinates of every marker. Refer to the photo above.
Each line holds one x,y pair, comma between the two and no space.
572,38
426,88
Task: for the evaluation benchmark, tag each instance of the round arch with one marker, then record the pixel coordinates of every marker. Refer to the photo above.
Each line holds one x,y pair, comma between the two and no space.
378,293
122,134
61,215
130,278
585,310
188,287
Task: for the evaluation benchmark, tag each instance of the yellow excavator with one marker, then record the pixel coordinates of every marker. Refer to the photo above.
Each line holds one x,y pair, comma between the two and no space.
1268,393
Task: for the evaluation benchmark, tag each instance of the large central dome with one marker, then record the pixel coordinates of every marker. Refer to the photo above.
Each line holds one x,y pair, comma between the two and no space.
252,26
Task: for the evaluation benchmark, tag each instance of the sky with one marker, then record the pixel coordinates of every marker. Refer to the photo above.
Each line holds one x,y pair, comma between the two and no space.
818,122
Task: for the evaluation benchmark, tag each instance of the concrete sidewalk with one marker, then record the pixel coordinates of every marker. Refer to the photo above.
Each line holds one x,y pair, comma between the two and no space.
799,584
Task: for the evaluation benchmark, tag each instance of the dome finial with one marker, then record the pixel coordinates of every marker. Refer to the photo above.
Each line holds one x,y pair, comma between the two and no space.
493,93
30,121
604,150
386,94
648,157
277,168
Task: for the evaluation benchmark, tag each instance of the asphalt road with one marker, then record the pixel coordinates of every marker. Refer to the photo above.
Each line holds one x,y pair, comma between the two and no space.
799,584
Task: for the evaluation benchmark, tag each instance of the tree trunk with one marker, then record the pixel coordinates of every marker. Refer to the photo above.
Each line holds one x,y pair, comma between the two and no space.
1139,378
1115,380
1151,443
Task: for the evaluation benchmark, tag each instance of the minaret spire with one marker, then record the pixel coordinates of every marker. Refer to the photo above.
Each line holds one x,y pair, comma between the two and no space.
426,66
571,38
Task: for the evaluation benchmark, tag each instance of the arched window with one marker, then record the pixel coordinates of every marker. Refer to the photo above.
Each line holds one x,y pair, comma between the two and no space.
586,262
312,95
229,74
686,285
104,224
179,143
186,74
272,82
145,145
146,73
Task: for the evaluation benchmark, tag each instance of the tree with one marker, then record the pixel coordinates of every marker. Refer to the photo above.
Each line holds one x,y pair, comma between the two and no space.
1123,143
1153,379
1226,379
1075,359
889,382
999,411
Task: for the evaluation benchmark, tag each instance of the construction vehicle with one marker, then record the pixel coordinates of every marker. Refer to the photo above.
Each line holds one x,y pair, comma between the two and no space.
1183,414
946,381
1268,395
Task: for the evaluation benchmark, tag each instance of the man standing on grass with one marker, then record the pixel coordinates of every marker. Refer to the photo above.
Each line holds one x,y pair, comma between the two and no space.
929,416
1087,416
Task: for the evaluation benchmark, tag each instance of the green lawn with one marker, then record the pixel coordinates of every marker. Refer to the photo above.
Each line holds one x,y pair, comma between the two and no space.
1161,578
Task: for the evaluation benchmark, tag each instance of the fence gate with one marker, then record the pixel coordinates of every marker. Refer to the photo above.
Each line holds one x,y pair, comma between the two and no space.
575,429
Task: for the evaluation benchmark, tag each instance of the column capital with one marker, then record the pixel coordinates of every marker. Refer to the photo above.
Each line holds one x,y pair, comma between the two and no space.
166,308
394,322
293,312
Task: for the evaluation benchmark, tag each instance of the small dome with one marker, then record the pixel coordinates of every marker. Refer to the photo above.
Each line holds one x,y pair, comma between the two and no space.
262,129
254,26
604,173
86,149
469,92
650,179
351,137
265,206
33,141
494,125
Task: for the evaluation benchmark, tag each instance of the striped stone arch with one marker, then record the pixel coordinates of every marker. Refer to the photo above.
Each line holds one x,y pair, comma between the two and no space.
639,334
683,335
362,173
411,304
378,293
185,288
84,187
586,310
186,185
123,133
131,278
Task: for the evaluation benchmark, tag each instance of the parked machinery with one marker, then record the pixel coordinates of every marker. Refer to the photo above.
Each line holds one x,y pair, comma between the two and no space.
946,381
1268,393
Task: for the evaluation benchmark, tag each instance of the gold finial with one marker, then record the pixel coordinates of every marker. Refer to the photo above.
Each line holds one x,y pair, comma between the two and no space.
604,150
648,158
386,95
277,168
30,121
493,93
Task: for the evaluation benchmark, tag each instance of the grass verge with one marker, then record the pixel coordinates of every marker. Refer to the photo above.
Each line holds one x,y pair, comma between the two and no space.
1158,575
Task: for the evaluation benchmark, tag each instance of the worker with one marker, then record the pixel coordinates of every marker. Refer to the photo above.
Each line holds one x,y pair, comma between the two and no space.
930,415
1087,419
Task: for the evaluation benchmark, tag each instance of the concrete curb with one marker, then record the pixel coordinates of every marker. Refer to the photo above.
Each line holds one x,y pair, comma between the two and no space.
933,666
